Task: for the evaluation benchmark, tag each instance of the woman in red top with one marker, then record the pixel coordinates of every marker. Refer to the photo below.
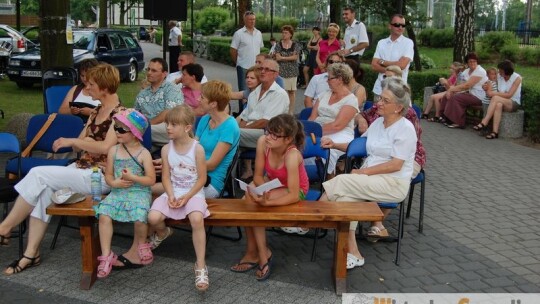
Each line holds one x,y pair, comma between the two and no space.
327,46
278,155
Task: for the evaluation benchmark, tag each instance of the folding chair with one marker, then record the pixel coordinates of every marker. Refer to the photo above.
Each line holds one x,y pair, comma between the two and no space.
10,144
67,126
357,150
305,113
420,178
61,77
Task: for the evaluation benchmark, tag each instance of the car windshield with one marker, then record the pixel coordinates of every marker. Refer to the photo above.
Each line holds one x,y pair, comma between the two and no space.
83,40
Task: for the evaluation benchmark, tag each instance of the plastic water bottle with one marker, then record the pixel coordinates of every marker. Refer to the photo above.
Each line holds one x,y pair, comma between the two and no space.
95,184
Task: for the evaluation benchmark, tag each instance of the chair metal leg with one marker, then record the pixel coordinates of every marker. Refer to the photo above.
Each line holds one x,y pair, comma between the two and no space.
421,217
411,193
400,231
61,223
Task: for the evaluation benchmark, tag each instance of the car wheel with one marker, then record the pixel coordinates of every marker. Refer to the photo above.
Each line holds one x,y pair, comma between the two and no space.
24,85
132,72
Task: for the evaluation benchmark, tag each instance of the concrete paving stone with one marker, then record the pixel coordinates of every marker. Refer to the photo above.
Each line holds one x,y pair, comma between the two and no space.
412,290
508,263
440,288
469,275
450,268
525,260
499,282
520,270
530,288
445,278
534,278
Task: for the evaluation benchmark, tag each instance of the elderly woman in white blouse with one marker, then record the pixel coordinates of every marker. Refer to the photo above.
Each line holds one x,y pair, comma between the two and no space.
335,110
385,175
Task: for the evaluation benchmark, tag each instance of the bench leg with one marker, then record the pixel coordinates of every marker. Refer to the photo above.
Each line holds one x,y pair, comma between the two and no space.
89,249
340,258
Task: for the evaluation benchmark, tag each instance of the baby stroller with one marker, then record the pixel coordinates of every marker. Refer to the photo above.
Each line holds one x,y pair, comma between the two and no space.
5,53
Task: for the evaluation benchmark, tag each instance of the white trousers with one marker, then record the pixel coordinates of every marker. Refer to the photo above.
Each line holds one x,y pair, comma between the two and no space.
38,186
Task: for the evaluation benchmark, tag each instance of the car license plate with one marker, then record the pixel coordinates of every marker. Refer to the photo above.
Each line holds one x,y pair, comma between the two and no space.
31,73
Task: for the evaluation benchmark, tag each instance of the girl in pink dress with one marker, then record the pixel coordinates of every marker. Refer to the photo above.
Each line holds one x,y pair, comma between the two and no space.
279,157
183,177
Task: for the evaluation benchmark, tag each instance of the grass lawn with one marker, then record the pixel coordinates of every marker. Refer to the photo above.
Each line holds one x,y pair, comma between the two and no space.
14,100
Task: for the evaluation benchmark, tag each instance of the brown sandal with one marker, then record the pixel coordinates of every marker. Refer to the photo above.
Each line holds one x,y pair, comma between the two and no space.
493,135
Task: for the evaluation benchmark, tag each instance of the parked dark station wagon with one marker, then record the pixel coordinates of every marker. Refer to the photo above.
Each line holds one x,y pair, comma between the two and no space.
117,47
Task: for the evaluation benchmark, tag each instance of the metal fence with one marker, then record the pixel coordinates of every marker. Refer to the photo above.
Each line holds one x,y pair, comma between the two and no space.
523,38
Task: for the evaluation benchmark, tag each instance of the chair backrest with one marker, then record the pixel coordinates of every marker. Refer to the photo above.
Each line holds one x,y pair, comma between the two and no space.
417,110
68,126
368,105
228,175
147,139
355,149
10,144
58,76
311,127
316,172
305,113
54,96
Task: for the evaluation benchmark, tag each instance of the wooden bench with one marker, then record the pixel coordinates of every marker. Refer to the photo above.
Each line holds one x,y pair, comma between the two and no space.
236,212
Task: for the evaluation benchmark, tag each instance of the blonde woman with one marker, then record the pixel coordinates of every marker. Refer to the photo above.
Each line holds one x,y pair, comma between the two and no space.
327,46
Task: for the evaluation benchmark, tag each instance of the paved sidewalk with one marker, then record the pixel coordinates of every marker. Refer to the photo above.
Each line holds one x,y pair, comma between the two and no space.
481,234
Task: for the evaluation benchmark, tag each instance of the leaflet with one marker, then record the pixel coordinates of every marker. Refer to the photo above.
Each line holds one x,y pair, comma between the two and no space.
260,190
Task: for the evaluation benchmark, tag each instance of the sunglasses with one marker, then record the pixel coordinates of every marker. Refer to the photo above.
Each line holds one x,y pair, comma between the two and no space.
333,61
120,130
398,25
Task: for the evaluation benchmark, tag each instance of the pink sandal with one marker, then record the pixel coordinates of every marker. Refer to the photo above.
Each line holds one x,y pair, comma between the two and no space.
105,265
145,253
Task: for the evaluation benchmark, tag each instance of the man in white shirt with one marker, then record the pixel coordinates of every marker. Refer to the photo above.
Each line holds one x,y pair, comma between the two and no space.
175,42
245,45
185,57
394,50
356,38
266,101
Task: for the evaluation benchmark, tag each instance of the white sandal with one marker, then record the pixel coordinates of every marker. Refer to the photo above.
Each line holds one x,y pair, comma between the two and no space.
353,261
201,278
155,241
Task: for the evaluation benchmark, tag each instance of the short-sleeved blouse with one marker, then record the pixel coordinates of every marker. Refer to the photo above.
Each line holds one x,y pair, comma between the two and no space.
326,49
328,112
289,68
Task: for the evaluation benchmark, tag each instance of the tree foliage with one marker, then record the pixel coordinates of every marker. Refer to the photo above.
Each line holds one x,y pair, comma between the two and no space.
209,19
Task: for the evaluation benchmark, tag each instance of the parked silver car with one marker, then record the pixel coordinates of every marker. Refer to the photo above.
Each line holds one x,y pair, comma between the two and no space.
17,40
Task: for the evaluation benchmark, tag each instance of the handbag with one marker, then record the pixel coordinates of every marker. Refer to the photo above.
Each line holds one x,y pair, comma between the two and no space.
438,88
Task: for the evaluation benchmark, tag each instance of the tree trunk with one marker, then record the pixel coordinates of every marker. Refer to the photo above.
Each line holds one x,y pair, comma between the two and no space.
464,29
103,13
243,6
412,36
55,52
335,11
122,12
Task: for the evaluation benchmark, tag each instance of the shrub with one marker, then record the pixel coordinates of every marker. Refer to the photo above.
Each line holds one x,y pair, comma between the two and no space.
510,52
424,38
494,42
530,56
530,99
426,62
210,18
442,38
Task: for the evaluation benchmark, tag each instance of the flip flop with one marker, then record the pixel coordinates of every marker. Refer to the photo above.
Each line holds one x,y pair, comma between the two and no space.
265,276
252,265
127,264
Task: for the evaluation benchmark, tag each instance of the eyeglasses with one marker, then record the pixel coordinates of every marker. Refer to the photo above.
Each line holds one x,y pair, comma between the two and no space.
330,78
334,61
266,70
398,25
273,136
120,130
386,101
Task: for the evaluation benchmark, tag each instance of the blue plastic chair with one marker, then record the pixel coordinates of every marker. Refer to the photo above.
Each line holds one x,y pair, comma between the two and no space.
67,126
368,105
10,144
305,113
356,150
311,127
417,110
54,96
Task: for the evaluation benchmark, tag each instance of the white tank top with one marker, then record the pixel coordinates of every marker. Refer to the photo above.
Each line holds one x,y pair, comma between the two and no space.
183,170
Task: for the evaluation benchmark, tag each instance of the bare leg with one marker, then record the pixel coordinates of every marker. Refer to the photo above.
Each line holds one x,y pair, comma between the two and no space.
292,96
264,252
156,220
19,213
306,75
353,246
251,255
248,171
105,234
199,237
502,104
489,113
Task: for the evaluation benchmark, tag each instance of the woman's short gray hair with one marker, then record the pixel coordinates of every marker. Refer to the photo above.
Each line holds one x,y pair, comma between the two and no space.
341,70
401,91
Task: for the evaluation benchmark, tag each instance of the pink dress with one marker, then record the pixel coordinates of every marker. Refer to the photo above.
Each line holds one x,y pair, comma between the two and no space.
281,172
191,97
183,169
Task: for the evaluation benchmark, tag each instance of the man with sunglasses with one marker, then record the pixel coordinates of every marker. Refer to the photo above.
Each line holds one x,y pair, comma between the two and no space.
394,50
266,101
245,45
356,38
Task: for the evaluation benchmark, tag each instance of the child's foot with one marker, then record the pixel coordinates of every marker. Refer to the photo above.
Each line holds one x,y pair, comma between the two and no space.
201,278
155,240
105,265
246,175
